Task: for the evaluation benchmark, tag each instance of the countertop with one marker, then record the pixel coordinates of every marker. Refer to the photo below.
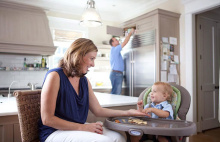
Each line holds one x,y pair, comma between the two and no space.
9,106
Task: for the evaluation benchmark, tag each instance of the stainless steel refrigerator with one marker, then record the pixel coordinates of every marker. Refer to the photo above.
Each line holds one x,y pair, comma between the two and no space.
139,60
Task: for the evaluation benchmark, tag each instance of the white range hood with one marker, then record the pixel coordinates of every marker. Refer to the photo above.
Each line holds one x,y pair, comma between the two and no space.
24,30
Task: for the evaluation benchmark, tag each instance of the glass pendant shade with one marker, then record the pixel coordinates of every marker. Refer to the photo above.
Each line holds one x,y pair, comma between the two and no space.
91,17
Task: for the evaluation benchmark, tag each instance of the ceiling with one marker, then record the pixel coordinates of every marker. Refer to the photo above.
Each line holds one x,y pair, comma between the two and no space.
110,10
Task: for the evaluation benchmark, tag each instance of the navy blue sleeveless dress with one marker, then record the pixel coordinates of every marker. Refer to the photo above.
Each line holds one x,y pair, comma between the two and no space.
69,105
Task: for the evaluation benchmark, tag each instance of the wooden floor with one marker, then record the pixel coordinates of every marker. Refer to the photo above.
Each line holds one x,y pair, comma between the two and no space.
212,135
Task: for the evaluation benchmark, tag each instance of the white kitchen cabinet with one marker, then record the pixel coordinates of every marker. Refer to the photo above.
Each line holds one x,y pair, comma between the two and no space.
146,24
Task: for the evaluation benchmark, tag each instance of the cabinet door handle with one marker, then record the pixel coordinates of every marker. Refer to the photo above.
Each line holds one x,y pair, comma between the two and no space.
216,87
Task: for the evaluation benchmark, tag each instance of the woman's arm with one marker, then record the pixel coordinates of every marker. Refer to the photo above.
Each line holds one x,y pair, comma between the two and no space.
48,104
158,112
98,111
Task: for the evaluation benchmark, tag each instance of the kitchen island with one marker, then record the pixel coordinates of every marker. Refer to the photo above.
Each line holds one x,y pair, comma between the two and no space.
9,125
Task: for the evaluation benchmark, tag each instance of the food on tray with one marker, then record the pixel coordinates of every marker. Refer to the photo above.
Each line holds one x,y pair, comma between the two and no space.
131,120
117,121
123,120
137,121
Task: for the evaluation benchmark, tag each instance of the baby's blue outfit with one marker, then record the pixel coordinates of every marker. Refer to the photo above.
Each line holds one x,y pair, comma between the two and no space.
163,106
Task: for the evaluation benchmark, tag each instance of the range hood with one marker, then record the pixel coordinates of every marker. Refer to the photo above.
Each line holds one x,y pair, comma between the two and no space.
24,30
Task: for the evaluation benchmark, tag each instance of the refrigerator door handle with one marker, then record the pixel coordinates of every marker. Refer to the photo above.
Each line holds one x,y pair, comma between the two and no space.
132,74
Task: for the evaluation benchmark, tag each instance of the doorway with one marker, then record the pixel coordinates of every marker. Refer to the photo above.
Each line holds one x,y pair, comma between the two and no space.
207,61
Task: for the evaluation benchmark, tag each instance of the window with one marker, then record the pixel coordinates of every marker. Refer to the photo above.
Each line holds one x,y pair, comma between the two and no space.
62,40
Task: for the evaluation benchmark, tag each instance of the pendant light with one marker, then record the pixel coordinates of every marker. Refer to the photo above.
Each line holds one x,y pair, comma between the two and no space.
90,17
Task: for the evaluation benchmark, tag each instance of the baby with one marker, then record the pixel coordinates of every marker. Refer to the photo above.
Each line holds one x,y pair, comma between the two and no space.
159,108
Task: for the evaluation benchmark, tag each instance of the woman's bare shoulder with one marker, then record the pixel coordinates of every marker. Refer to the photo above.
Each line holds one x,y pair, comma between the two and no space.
53,76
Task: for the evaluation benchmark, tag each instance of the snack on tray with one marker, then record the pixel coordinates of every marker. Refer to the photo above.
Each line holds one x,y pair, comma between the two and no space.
117,121
123,120
137,121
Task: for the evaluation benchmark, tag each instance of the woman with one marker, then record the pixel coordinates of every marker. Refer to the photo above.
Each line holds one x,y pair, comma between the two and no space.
67,96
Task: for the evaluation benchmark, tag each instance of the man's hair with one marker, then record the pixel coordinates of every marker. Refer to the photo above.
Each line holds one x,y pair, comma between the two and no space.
110,41
167,89
73,57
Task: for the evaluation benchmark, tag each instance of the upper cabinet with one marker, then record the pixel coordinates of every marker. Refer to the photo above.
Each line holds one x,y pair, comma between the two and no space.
165,23
115,31
24,29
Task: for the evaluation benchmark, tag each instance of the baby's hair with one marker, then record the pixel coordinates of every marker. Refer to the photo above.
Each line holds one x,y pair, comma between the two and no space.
167,87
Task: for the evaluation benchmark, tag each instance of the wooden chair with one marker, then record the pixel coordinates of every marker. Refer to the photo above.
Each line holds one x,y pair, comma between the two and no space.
28,103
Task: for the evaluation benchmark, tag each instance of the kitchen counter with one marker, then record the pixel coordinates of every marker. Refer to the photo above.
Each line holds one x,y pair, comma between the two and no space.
9,107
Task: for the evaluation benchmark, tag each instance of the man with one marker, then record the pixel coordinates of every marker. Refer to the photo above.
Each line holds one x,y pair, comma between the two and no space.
117,63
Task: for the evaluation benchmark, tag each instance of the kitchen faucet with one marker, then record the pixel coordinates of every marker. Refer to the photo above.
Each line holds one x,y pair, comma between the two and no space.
9,94
32,86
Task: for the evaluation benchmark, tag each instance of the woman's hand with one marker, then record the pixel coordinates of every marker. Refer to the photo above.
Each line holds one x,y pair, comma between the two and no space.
93,127
133,112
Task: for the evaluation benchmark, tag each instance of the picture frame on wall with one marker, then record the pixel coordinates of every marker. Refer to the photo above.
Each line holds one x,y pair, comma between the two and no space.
171,48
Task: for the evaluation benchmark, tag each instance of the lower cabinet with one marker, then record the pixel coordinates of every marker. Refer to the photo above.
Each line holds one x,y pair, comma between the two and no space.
9,129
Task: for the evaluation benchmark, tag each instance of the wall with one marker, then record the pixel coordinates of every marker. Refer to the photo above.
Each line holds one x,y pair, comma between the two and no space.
15,62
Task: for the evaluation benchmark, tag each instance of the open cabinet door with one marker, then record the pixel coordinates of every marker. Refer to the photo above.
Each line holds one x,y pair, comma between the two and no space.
115,31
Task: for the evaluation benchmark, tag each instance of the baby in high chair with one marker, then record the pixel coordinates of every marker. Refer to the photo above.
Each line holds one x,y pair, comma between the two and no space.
159,108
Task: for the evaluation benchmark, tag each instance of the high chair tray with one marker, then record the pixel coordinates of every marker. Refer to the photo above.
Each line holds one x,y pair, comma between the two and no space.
138,126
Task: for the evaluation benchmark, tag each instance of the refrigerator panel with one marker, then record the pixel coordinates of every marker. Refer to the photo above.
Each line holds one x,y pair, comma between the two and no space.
143,68
139,61
127,81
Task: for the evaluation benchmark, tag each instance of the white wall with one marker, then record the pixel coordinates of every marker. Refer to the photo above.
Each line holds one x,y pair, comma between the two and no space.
15,62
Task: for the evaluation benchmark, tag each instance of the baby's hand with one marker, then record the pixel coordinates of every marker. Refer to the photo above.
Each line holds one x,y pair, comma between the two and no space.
140,105
147,111
140,102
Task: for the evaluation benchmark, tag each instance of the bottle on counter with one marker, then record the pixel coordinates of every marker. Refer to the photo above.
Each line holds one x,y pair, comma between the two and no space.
35,63
25,64
43,62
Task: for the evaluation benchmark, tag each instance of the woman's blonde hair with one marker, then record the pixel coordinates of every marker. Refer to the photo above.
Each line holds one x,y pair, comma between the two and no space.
71,62
167,89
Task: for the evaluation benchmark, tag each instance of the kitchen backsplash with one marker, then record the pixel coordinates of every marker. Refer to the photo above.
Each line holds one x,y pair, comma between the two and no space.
15,65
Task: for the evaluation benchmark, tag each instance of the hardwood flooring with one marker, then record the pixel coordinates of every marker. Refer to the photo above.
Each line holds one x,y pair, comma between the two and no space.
212,135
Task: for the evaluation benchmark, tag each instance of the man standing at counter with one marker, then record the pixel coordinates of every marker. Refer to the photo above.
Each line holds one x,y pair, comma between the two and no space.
117,63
